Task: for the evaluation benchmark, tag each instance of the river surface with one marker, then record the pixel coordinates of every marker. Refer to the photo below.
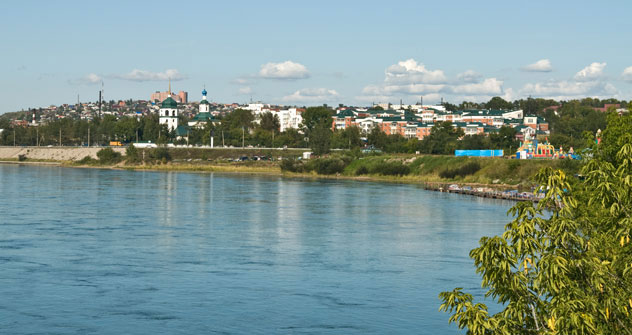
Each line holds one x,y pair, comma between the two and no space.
87,251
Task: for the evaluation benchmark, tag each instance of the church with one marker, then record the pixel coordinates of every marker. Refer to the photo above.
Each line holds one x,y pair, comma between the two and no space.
204,114
169,112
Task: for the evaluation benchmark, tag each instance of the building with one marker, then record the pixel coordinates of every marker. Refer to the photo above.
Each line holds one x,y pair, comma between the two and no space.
204,113
181,97
169,112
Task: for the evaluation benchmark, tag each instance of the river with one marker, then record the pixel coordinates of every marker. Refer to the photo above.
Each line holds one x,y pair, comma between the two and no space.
87,251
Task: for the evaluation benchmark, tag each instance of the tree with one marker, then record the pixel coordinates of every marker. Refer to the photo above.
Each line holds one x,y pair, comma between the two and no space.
315,116
498,103
567,271
347,138
270,122
443,139
504,139
320,139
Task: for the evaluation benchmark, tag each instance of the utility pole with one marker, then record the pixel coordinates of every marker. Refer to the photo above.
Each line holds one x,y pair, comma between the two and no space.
60,136
243,137
223,138
13,136
37,134
88,135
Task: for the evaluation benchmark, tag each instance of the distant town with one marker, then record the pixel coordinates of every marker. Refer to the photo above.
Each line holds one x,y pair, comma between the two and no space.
181,119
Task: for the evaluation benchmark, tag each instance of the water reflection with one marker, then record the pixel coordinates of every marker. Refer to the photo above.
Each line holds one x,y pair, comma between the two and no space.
146,252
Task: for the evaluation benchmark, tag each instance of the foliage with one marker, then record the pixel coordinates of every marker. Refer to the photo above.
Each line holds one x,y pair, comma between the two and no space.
160,154
320,139
347,138
291,165
314,117
87,160
498,103
270,122
465,170
108,156
326,166
561,266
392,168
443,139
132,154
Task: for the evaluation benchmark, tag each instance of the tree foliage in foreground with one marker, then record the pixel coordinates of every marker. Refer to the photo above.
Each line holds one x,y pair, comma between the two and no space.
567,271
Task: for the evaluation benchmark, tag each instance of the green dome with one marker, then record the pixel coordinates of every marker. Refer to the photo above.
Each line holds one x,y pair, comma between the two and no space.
169,103
204,102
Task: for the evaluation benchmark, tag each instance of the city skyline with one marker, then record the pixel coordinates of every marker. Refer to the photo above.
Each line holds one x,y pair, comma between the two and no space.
307,54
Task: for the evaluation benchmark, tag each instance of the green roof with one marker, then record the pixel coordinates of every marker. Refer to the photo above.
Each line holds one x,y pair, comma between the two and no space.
202,117
204,102
182,131
169,103
345,113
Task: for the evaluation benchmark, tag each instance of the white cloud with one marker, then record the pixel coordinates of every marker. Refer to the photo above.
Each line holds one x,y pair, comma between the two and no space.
469,76
89,79
490,86
286,70
543,65
565,90
241,81
142,75
410,79
627,74
409,71
590,72
312,95
245,90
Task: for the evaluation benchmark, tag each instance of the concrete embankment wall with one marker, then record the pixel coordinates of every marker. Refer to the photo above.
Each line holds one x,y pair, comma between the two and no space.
52,153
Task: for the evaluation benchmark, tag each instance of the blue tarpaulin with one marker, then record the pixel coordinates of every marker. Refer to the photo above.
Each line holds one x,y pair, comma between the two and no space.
479,153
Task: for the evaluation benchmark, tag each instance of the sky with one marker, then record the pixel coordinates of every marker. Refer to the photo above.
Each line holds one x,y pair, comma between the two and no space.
310,53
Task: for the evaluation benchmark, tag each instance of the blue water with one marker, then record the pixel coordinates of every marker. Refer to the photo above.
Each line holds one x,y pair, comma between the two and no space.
117,252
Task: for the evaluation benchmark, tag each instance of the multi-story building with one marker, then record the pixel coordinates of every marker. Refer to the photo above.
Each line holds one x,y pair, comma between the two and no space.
181,97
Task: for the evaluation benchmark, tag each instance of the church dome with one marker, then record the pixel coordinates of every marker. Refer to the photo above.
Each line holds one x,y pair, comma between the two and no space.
169,103
204,92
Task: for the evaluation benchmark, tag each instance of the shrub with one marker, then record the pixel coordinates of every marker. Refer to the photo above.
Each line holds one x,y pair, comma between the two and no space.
108,156
391,169
361,170
291,165
86,160
160,154
465,170
21,158
132,154
327,165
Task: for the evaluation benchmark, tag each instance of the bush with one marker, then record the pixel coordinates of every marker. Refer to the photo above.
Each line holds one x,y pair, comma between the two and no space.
87,160
327,165
160,154
291,165
21,158
465,170
132,155
362,170
108,156
391,169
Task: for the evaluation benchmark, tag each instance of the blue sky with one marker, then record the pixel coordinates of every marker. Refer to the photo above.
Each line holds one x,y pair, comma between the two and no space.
309,53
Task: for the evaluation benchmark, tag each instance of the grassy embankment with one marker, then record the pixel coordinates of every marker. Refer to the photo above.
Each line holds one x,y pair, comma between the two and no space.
405,168
431,169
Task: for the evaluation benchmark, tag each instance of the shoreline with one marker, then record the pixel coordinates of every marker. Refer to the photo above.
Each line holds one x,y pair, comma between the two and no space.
497,191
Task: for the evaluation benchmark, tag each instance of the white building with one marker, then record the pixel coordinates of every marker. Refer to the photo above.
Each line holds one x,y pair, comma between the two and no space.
289,118
169,113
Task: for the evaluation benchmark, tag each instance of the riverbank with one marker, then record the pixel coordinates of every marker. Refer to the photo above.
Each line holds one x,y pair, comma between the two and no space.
487,177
